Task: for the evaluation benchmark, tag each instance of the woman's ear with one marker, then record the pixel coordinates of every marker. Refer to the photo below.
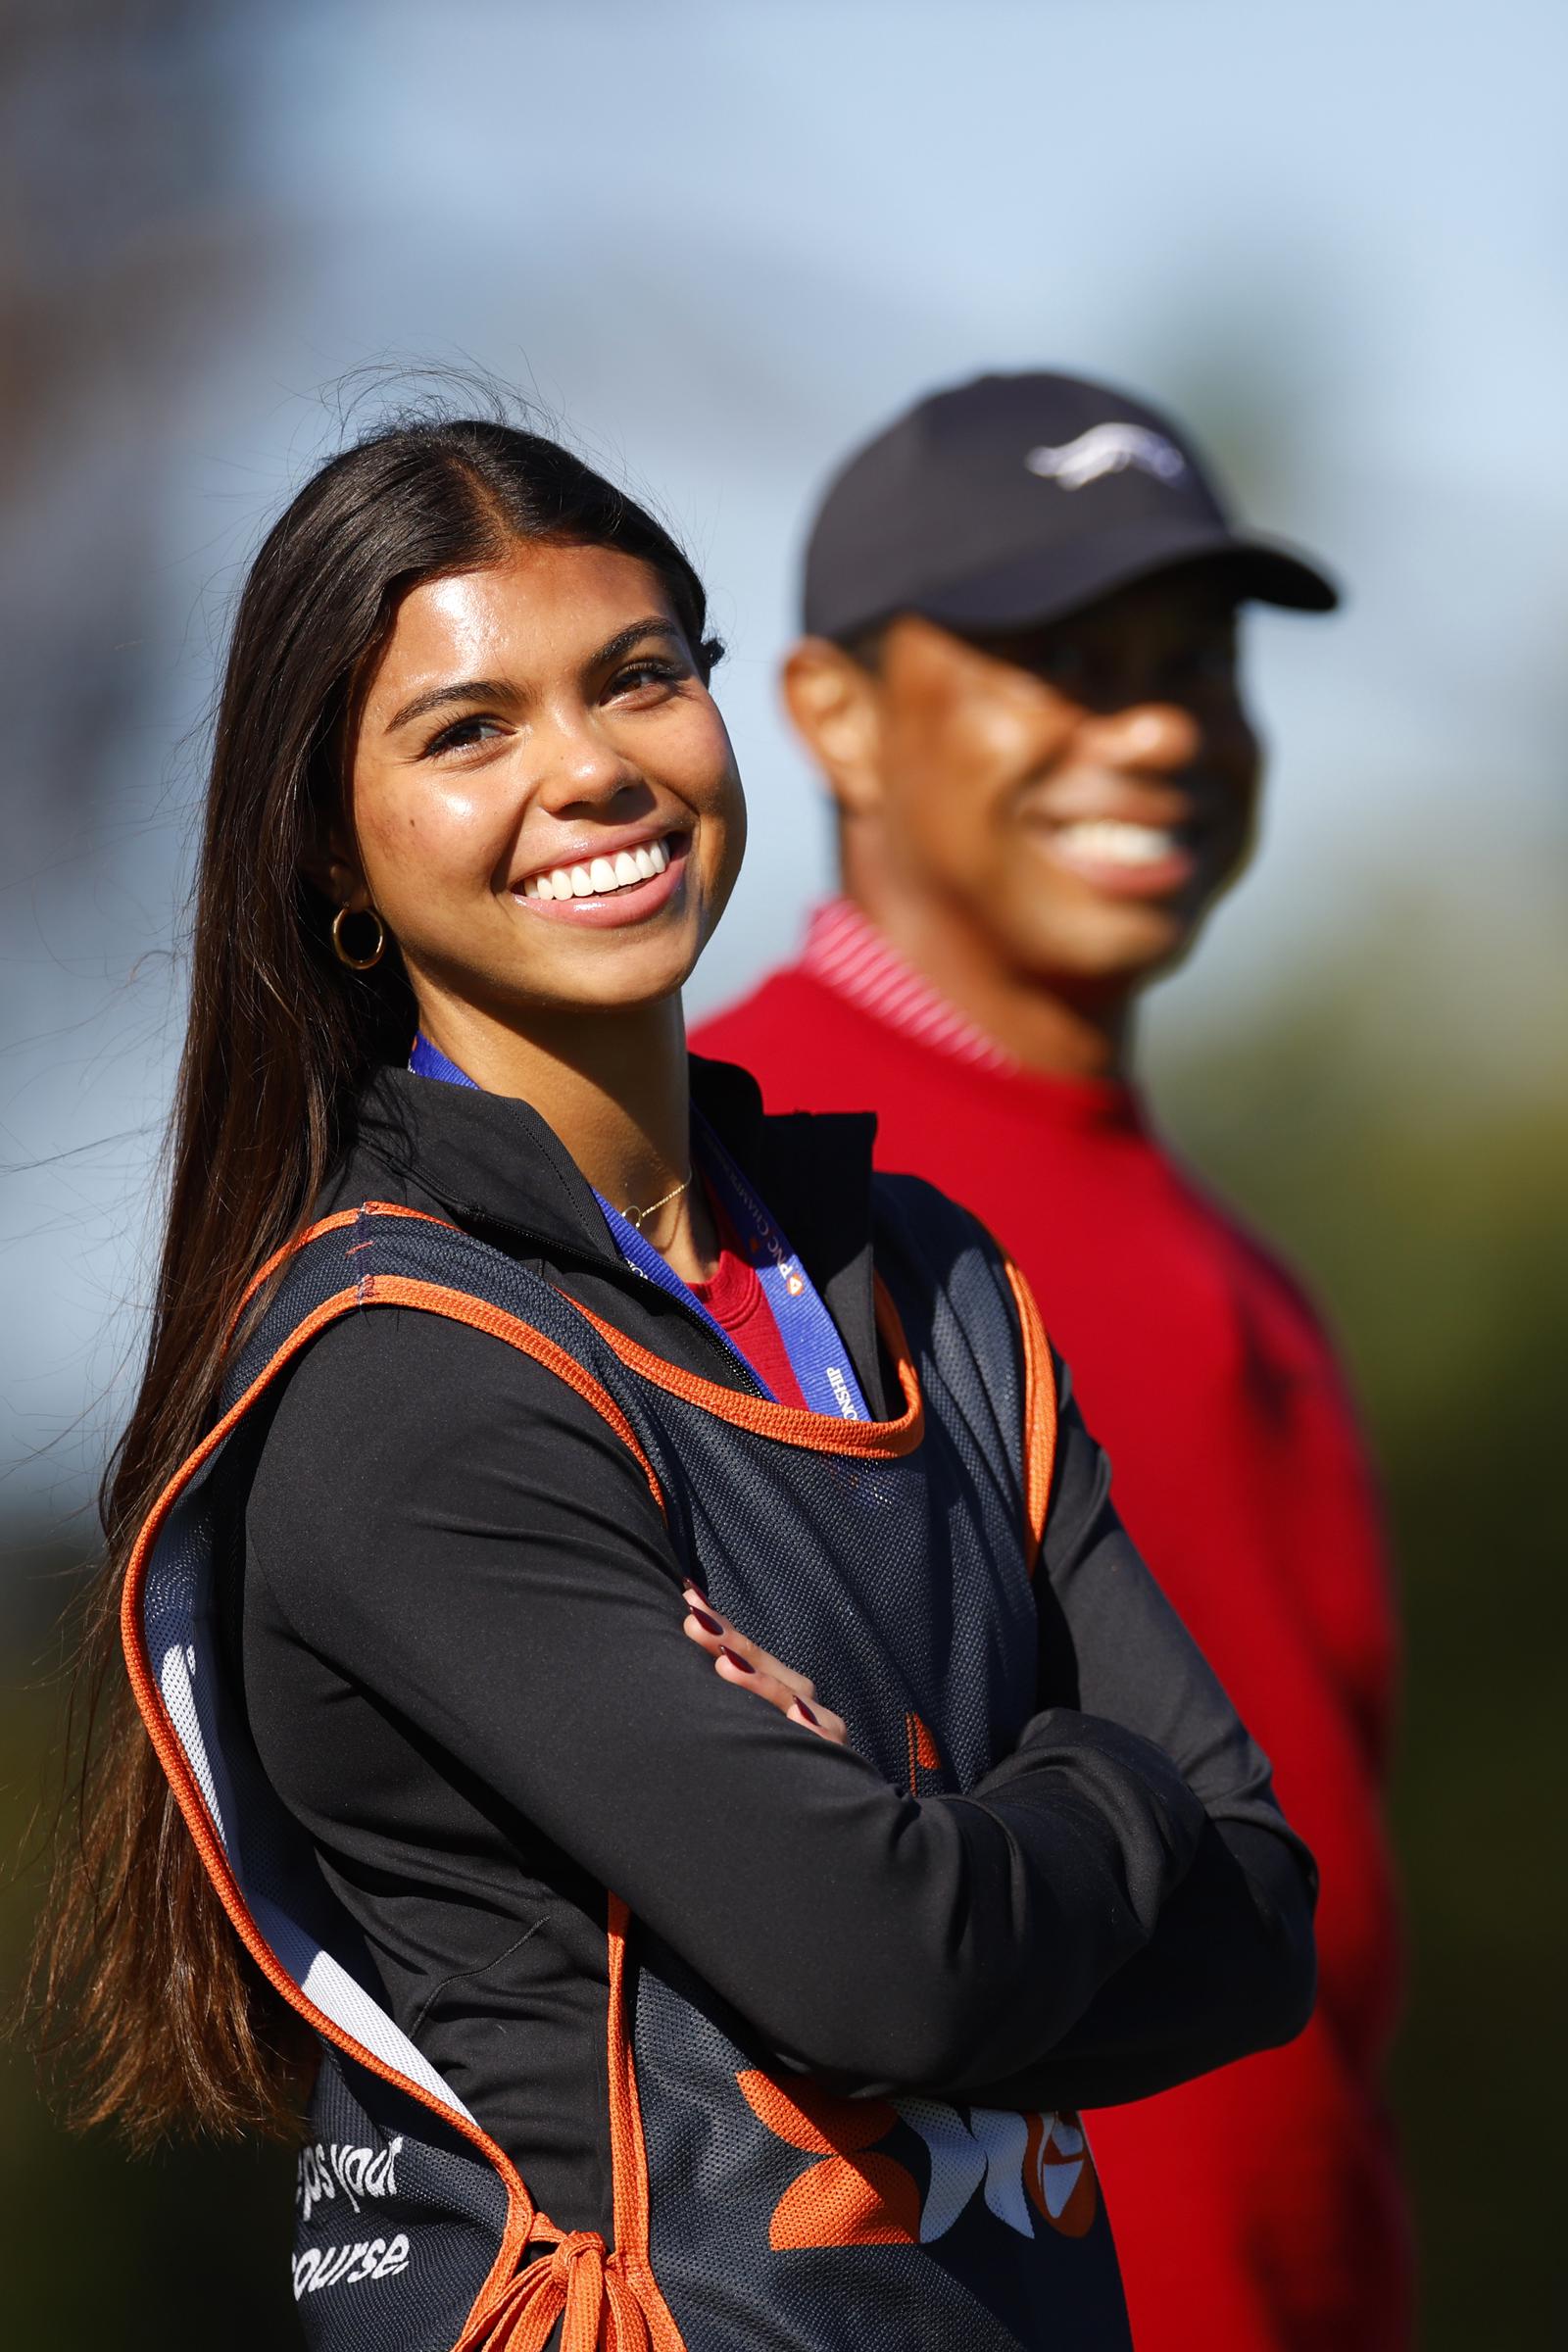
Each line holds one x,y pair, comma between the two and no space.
836,707
331,863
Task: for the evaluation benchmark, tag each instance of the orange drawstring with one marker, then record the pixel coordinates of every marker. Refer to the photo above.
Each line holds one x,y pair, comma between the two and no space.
580,2280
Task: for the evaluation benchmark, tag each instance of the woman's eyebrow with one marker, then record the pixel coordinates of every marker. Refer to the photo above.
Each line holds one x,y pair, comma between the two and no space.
497,690
655,625
468,690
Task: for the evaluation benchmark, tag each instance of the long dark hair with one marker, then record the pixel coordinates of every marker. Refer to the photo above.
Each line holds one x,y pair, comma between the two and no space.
142,1982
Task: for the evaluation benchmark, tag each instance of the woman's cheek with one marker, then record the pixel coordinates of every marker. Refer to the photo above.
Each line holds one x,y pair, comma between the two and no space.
693,754
435,842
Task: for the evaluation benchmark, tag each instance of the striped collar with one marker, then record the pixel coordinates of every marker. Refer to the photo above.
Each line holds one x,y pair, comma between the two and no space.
850,957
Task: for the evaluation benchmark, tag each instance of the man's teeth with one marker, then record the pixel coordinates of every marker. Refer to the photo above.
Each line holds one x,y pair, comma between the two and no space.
1112,841
601,876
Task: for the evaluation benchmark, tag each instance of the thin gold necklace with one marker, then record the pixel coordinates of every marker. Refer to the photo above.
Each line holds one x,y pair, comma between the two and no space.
638,1217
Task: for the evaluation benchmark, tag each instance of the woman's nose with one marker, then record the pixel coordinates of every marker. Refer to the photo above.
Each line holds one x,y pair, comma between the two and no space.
577,761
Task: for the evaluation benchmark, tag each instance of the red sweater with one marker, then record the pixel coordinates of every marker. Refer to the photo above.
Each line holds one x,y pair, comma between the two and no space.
735,1299
1258,2209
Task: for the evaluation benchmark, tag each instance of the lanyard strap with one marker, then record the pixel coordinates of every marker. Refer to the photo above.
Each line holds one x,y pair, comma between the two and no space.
817,1356
644,1259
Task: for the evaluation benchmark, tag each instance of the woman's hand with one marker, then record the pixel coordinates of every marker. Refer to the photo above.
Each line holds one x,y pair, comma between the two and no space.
740,1661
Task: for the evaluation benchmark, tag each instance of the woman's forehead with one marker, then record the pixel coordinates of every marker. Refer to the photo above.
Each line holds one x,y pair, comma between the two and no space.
541,606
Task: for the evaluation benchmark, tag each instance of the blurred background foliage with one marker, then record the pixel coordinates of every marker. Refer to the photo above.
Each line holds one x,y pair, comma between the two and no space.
1432,1227
721,245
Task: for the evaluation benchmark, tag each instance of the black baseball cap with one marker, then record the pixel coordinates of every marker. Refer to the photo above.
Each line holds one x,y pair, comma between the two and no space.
1016,499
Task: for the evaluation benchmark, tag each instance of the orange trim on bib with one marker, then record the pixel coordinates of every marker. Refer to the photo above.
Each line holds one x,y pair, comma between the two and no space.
609,2301
627,2151
1039,1411
818,1433
332,1224
403,1290
522,2217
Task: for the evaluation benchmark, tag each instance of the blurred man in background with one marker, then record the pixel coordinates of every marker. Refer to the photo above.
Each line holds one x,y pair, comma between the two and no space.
1019,679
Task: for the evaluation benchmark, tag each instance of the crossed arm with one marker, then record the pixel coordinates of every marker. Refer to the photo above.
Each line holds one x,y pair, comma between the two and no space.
1118,1907
1229,1966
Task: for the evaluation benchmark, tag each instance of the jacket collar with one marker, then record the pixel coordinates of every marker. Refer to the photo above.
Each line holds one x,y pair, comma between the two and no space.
494,1166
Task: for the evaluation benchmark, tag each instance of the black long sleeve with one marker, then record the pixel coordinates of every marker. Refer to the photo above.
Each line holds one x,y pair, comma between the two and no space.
444,1524
1229,1970
1231,1967
502,1579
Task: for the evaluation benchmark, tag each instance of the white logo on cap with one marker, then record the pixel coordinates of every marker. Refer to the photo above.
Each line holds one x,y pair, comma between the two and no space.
1108,449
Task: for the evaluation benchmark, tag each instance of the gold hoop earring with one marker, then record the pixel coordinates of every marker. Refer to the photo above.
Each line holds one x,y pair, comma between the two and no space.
345,956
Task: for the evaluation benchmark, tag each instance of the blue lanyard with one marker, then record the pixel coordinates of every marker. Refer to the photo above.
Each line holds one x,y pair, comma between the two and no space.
817,1356
643,1258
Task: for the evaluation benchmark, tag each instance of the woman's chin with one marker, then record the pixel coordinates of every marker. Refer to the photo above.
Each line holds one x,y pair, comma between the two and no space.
633,975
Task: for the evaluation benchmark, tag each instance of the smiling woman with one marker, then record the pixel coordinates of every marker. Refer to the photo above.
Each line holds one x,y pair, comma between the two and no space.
543,809
531,724
501,1485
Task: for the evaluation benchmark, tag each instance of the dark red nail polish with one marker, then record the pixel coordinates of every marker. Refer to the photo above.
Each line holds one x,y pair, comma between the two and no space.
710,1625
736,1659
804,1712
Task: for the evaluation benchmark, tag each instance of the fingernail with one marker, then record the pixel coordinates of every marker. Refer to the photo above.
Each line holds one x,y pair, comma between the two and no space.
735,1659
696,1593
710,1625
804,1712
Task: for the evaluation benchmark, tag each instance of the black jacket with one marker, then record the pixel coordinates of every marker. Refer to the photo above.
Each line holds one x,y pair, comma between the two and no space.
455,1618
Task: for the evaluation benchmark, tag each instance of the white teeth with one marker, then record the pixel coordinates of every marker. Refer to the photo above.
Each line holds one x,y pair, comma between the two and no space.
1115,841
598,876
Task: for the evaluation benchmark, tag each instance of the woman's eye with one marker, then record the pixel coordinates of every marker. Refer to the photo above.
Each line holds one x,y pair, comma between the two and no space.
460,736
647,673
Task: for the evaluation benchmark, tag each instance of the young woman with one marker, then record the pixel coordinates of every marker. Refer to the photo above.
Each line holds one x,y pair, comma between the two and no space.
526,1417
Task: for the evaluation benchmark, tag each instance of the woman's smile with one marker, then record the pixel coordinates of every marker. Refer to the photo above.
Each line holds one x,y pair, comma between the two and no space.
618,879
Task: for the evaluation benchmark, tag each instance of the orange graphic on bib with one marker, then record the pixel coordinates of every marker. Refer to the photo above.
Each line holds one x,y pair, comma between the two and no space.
850,2198
924,1753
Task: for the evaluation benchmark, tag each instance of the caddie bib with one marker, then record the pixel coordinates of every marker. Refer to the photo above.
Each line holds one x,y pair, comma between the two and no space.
754,2208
